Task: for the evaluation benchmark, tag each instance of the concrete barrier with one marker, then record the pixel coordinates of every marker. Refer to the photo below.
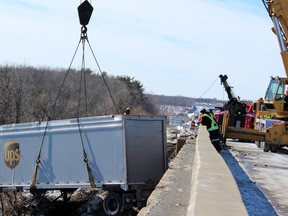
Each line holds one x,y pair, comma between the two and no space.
200,176
171,196
180,143
214,190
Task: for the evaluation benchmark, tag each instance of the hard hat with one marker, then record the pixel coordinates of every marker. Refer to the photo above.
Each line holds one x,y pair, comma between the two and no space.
202,110
127,109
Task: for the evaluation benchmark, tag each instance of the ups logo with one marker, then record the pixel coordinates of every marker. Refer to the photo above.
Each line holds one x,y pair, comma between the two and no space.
11,154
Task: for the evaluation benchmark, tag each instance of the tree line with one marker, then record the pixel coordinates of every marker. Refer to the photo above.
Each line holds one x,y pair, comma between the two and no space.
36,94
183,101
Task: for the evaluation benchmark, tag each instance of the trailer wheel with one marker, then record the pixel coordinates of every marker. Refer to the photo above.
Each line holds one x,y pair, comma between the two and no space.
112,204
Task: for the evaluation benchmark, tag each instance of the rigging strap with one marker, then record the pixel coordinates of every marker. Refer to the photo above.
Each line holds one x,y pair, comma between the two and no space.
38,161
89,171
90,175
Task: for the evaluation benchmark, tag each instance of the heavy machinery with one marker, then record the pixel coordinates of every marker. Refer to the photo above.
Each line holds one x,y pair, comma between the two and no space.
271,120
236,118
240,113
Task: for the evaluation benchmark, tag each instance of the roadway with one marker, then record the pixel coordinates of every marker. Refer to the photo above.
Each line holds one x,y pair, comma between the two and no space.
267,171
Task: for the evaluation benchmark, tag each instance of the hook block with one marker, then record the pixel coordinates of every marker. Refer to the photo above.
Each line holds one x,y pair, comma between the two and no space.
85,11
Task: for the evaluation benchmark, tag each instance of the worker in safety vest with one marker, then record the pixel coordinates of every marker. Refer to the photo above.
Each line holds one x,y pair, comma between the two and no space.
212,127
127,111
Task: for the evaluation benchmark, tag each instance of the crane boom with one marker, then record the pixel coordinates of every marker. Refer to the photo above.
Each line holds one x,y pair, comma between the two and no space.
278,11
228,88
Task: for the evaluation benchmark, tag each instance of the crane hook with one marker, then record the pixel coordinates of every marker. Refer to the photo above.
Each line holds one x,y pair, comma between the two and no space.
82,1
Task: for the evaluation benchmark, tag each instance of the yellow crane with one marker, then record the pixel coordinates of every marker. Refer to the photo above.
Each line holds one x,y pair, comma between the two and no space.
271,119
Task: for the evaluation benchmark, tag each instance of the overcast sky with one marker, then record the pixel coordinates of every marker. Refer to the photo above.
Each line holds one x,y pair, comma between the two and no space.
172,47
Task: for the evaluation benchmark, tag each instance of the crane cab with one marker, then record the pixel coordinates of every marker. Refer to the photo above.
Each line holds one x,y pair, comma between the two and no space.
275,103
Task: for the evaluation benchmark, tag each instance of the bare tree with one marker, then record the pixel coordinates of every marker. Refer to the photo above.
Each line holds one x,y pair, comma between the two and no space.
21,92
6,108
37,94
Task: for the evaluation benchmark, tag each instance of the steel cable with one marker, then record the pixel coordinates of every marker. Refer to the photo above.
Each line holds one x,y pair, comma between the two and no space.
33,182
105,82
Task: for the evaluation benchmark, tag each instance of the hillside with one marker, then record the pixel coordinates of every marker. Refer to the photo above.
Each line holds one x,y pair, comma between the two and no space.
179,105
183,101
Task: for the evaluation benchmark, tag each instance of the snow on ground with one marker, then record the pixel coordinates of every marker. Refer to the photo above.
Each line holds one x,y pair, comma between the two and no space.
262,177
254,200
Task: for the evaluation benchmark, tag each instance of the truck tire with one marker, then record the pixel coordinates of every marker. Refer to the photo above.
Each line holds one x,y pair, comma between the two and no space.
112,204
266,147
258,144
274,148
224,140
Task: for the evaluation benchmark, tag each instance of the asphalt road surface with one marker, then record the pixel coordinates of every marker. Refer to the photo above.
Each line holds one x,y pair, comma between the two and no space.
262,177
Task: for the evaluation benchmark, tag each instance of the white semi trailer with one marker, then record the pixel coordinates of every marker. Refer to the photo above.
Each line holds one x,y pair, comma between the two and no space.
125,155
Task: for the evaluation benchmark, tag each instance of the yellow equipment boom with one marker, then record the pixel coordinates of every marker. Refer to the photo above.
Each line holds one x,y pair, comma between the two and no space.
278,11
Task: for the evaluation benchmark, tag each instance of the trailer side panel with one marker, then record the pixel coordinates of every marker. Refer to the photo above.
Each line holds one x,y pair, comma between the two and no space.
62,158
